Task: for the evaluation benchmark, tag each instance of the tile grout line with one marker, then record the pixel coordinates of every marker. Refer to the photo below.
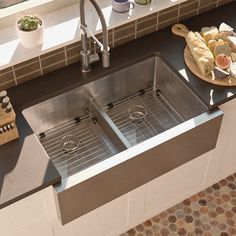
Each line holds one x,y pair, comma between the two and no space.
166,12
150,18
65,52
72,57
5,73
4,83
157,21
40,66
188,4
178,13
28,64
14,75
188,13
113,38
124,28
163,22
46,67
147,28
26,74
198,7
70,47
51,54
126,36
205,6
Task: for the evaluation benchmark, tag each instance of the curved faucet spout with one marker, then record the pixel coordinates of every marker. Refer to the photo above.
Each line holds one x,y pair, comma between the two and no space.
85,54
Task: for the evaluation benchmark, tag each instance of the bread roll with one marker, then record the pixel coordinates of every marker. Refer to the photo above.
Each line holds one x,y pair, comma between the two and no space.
201,53
209,33
211,44
221,36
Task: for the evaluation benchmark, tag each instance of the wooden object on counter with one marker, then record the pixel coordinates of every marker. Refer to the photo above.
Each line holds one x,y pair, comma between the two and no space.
197,45
8,129
193,66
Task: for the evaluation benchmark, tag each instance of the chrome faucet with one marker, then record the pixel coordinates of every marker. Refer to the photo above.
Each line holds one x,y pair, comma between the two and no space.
86,57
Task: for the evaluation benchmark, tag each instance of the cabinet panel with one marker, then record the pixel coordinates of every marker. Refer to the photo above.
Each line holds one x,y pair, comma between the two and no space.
223,160
29,216
100,222
136,205
39,227
176,185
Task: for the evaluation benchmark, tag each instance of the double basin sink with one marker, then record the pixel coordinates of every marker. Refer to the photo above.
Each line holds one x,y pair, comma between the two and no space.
121,131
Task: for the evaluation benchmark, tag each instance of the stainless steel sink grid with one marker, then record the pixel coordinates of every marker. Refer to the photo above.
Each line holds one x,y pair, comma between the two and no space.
92,146
129,127
160,116
119,111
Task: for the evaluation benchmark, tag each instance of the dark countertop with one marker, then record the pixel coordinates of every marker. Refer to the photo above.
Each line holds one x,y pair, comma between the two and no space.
25,167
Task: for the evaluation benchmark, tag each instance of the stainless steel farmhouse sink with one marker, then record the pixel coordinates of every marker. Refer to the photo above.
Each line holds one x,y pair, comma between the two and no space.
121,131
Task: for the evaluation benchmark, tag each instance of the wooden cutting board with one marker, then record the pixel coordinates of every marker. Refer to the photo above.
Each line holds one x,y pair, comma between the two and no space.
182,30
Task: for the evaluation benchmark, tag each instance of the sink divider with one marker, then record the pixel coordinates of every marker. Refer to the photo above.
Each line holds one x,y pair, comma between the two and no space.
108,126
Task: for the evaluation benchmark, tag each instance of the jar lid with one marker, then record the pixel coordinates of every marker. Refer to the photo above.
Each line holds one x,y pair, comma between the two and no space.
3,94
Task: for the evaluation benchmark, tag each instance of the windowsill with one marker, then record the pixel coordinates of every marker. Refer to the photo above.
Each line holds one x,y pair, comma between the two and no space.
62,28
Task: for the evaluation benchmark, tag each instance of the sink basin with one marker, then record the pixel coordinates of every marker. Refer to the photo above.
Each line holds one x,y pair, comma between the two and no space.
124,130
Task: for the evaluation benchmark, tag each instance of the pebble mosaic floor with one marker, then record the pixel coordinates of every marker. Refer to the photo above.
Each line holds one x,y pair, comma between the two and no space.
211,212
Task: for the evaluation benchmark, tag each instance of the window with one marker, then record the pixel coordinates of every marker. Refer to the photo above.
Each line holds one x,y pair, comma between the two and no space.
10,10
7,3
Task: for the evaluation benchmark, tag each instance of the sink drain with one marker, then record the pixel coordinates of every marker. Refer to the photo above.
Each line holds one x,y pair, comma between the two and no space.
70,143
137,114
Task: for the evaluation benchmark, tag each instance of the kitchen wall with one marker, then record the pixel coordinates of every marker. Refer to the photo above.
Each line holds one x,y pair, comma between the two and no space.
43,64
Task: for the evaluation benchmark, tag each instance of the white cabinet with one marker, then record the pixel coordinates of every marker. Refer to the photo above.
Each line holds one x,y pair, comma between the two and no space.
136,209
103,221
176,185
36,215
29,216
223,160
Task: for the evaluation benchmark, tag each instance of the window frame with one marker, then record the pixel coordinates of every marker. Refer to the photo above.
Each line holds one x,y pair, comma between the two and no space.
9,14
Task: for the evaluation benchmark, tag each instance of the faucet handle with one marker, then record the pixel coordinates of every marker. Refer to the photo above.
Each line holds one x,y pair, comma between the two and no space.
94,56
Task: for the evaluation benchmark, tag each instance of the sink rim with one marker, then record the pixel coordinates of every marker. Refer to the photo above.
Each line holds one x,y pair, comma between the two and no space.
134,151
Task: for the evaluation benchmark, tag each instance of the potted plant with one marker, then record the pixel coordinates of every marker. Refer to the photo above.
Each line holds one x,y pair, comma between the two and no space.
30,30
